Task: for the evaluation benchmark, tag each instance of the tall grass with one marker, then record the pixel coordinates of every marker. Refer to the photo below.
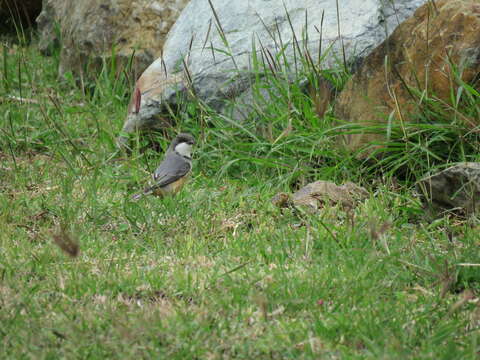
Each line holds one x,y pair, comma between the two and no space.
435,135
280,128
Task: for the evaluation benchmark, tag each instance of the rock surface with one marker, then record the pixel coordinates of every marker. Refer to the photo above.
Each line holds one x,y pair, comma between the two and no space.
90,29
419,52
217,71
455,189
315,195
24,11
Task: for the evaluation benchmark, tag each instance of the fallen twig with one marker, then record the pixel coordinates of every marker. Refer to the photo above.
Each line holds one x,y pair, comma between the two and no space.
11,98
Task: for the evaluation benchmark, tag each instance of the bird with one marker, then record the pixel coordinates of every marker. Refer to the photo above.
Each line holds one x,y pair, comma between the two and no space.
173,171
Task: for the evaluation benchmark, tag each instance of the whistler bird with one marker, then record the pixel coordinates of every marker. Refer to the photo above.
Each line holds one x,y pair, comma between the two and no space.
173,171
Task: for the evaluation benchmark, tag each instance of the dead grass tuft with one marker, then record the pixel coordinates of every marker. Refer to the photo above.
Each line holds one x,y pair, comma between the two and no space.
66,242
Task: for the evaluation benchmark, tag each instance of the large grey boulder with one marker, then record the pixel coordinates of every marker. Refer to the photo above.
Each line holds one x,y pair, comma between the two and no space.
455,189
92,30
208,52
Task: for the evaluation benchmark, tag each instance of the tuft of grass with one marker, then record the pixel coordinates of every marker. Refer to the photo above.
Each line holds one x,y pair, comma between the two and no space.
436,135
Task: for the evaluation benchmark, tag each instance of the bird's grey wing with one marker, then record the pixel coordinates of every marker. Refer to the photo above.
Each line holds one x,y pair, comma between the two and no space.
171,169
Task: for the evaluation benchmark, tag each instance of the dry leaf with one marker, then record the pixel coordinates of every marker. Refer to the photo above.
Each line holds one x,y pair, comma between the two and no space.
66,242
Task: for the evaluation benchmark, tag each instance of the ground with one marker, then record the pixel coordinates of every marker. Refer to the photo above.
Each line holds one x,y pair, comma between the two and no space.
217,272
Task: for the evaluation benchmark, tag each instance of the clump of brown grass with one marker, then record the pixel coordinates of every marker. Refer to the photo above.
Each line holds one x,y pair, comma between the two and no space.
66,241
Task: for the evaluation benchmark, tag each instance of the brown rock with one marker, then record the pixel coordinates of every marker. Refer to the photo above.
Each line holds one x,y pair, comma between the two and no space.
455,189
419,54
282,200
91,29
315,195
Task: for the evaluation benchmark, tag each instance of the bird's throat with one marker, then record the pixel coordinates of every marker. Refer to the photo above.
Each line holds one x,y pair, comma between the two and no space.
184,150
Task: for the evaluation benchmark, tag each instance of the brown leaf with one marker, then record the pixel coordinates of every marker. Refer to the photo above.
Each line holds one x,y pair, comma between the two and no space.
465,296
322,96
314,343
66,242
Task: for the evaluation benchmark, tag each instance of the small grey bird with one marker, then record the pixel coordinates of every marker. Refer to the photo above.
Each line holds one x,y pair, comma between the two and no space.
173,171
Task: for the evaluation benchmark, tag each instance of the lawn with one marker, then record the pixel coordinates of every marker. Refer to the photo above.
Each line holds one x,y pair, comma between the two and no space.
216,272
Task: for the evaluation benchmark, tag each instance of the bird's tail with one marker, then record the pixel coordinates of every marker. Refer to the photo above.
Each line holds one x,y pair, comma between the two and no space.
147,191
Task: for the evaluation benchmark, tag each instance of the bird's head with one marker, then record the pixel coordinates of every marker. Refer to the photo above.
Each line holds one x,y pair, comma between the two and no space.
183,144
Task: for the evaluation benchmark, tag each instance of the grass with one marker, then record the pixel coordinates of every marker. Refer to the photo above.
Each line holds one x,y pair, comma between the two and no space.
218,271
